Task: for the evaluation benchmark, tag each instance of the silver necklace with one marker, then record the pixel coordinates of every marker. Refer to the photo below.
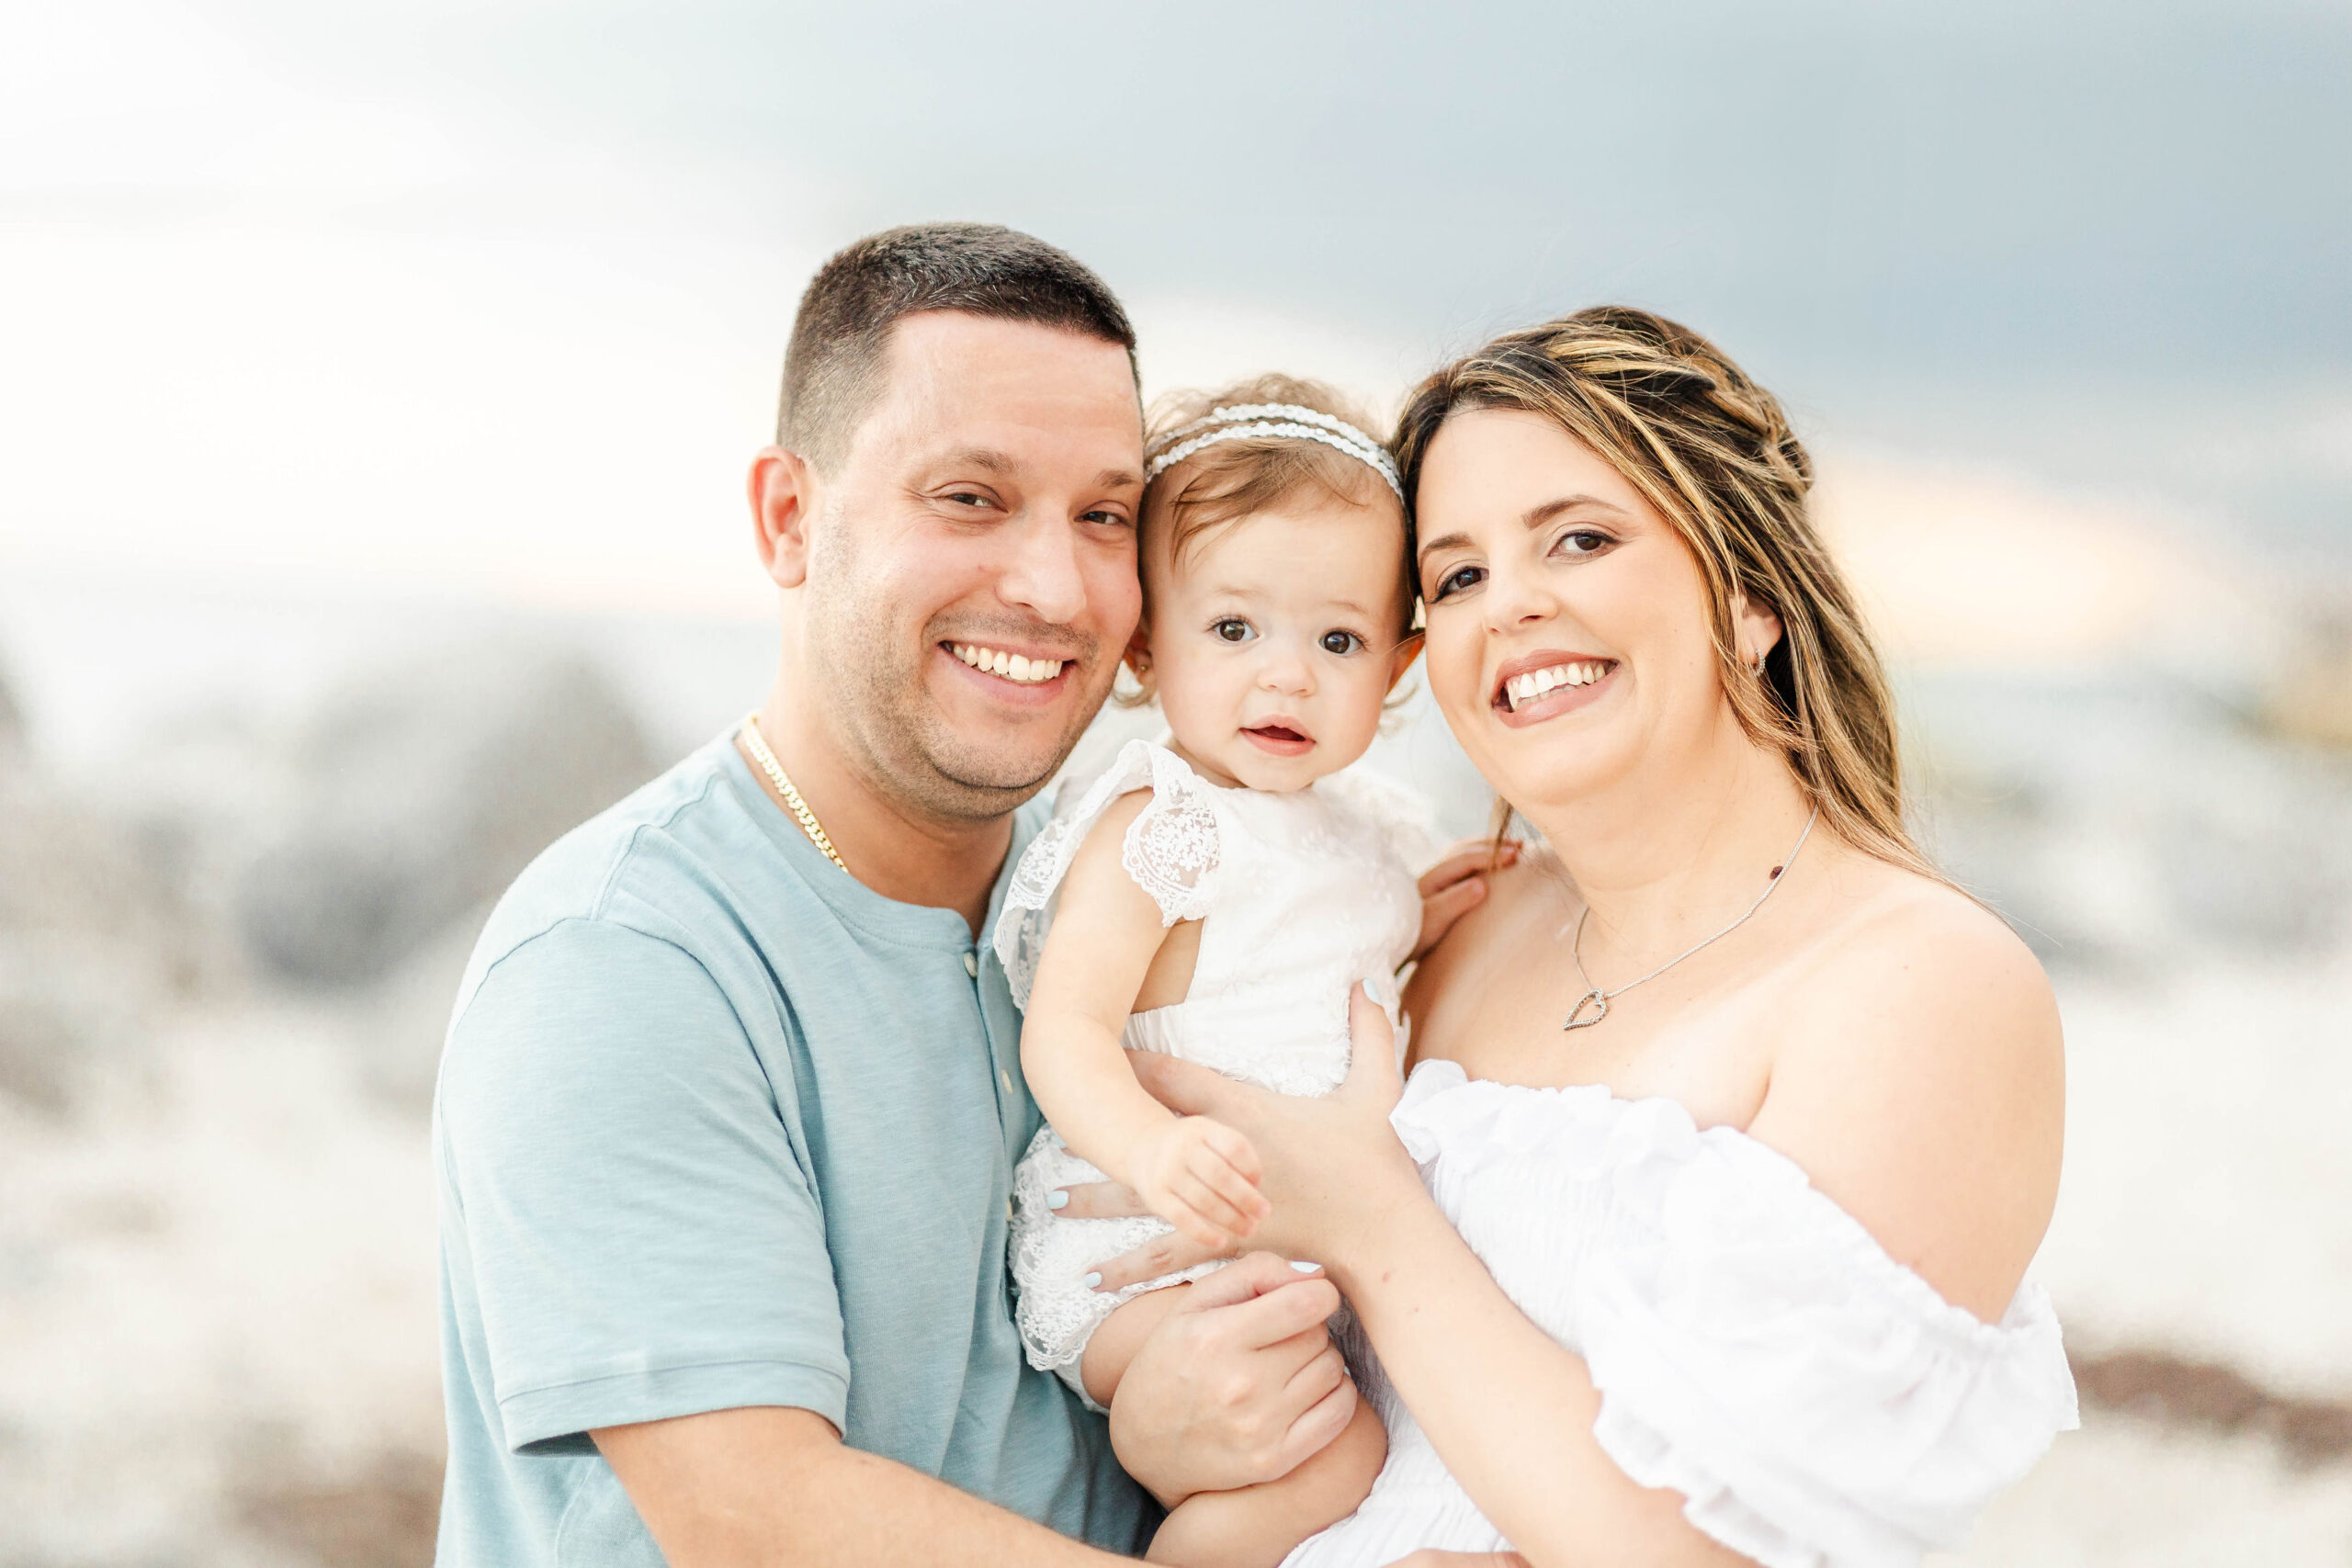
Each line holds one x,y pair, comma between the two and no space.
1597,999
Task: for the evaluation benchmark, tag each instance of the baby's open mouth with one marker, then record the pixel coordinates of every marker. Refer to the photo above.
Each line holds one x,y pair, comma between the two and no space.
1280,738
1535,685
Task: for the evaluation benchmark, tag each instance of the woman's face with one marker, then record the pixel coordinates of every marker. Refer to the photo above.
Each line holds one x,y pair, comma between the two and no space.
1568,642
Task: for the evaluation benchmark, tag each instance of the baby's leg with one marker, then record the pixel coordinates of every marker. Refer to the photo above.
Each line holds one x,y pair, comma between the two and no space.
1114,1346
1256,1527
1251,1527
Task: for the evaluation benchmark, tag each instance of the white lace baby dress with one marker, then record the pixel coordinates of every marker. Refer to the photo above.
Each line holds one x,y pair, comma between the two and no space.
1300,894
1816,1404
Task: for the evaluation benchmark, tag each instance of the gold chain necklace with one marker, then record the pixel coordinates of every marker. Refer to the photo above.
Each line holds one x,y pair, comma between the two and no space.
798,808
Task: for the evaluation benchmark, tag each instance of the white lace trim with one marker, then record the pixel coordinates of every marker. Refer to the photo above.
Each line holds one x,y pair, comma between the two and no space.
1057,1313
1171,849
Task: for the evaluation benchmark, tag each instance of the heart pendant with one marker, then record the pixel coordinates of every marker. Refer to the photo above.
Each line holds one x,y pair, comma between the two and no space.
1593,1000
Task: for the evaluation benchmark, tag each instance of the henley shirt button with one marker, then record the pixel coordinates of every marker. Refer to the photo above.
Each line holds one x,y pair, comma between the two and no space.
1005,1078
972,964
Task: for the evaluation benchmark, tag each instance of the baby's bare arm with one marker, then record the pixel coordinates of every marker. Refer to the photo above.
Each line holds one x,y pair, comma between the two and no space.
1199,1174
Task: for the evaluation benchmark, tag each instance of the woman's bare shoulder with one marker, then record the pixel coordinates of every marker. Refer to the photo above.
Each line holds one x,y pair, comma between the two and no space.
1920,1081
1894,938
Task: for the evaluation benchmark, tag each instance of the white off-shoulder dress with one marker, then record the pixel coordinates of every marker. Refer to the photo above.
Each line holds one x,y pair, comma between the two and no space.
1817,1403
1302,893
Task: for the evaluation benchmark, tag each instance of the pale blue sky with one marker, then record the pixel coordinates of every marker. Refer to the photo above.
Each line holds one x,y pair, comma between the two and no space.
2103,243
2159,187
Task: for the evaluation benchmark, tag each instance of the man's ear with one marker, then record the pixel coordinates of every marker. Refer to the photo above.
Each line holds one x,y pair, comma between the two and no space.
785,496
1757,628
1402,660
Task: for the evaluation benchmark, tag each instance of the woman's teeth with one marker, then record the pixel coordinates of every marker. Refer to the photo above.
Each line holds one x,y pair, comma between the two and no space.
1523,688
1012,666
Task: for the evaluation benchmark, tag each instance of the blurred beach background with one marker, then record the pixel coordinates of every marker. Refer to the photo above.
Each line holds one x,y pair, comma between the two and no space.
377,384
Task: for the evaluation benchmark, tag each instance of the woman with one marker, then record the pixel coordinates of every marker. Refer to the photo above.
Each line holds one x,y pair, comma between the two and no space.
1749,1120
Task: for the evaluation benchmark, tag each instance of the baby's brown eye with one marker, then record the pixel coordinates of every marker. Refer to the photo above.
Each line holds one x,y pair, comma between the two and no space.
1232,630
1342,642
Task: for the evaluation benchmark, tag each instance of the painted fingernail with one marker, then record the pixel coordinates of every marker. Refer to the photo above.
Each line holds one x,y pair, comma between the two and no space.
1092,1280
1058,1199
1307,1267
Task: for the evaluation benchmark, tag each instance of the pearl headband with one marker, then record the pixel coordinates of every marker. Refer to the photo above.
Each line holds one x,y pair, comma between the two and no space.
1241,422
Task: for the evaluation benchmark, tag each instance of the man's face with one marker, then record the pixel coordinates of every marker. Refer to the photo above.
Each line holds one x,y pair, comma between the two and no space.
972,570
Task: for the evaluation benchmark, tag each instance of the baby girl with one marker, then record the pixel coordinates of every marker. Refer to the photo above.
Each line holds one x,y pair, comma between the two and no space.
1216,896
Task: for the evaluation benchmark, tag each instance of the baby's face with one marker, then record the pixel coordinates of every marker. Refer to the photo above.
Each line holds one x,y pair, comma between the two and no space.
1275,640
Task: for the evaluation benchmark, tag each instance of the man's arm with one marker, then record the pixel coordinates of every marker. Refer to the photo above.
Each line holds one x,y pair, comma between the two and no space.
1239,1387
772,1485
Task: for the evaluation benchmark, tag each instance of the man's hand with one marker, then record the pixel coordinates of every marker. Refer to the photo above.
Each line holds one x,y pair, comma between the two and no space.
1236,1386
1201,1176
1458,884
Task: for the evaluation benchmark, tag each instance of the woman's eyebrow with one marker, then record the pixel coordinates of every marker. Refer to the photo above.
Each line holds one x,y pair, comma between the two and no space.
1533,517
1536,516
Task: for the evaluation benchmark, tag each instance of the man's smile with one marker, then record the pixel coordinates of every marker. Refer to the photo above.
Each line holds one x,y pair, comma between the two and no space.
1019,669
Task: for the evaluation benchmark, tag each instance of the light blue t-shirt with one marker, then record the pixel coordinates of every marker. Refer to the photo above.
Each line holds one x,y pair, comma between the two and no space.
718,1126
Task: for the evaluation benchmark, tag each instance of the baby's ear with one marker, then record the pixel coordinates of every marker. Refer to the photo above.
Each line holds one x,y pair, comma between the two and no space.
1402,659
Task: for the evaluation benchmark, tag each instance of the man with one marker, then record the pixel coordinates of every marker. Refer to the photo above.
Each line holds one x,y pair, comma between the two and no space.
731,1099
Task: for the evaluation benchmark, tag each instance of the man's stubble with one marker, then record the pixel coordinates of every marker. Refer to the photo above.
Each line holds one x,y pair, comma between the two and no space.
868,674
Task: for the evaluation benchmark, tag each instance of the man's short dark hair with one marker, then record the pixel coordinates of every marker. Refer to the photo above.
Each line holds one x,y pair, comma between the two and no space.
832,369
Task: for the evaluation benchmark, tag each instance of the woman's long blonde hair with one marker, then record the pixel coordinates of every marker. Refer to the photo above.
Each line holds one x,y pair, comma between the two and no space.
1712,452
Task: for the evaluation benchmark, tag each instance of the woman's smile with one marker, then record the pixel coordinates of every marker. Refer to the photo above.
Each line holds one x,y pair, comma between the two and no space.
1546,683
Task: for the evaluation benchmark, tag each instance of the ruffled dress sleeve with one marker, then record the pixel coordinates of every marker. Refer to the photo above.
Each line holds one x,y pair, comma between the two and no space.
1172,850
1818,1404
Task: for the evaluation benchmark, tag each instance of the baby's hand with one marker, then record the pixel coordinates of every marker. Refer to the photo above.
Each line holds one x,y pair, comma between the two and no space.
1201,1177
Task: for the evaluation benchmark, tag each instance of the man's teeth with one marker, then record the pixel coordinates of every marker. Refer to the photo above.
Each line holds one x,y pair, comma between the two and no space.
1012,666
1521,689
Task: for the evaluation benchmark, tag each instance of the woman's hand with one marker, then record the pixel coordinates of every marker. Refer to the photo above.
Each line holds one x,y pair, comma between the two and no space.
1333,1168
1168,1254
1458,884
1201,1176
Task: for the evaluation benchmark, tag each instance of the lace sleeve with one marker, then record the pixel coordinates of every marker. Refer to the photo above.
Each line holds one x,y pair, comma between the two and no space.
1171,849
